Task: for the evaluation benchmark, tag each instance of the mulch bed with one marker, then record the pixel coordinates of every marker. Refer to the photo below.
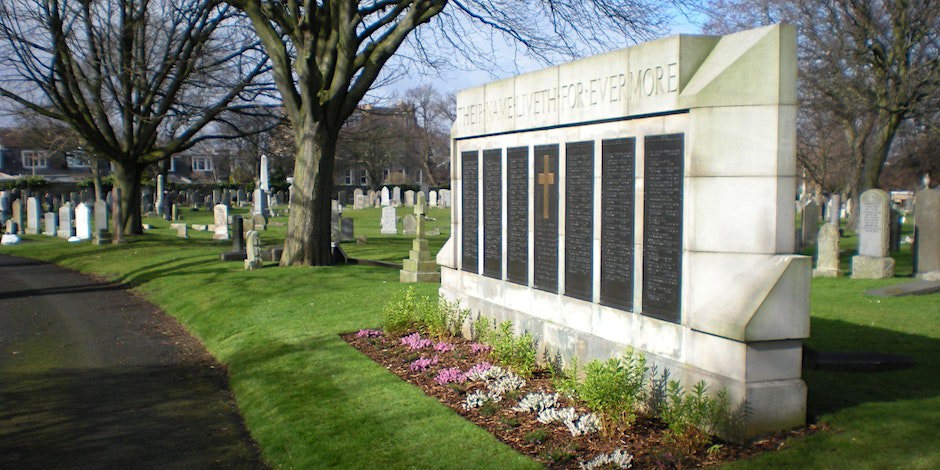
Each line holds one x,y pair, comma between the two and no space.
551,444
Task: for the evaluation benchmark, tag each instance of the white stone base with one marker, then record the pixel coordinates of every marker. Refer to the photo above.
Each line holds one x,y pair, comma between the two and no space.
867,267
929,276
826,272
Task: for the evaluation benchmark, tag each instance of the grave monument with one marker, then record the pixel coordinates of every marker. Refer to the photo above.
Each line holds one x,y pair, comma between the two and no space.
873,261
643,199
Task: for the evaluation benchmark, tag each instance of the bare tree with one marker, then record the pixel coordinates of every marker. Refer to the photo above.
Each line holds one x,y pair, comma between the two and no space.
326,55
866,66
137,80
435,113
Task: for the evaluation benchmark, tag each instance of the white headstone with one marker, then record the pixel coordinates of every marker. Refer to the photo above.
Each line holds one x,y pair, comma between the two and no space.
432,199
396,195
827,252
51,222
83,222
389,221
66,214
221,222
253,250
263,177
873,224
385,199
161,189
409,198
409,225
33,216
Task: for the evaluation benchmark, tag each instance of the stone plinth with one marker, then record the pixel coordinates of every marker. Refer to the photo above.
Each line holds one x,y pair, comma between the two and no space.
419,267
871,267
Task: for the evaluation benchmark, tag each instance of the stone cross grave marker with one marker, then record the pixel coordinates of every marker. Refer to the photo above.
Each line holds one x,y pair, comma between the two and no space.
419,267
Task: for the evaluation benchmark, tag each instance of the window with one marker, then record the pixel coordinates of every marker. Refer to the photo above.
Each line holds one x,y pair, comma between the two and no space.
202,164
385,174
76,160
172,168
364,178
350,177
35,159
420,176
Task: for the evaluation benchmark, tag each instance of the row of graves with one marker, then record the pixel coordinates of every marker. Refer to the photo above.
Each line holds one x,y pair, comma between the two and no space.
76,216
879,234
393,197
643,199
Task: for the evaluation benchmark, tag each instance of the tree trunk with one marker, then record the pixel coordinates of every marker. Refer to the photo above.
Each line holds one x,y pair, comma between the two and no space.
307,241
127,177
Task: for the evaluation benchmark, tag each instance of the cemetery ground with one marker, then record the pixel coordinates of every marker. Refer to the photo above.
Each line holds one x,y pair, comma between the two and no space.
311,400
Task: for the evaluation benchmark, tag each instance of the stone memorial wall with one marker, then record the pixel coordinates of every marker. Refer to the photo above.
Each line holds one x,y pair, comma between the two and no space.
643,198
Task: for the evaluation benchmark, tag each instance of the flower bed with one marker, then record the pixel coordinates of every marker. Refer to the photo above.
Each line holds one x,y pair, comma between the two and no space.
527,413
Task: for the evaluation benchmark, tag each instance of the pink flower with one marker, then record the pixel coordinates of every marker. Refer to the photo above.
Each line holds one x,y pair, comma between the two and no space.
450,374
479,368
478,348
443,347
423,363
414,341
366,333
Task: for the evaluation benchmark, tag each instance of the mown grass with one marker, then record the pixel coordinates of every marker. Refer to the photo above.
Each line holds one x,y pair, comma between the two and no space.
312,401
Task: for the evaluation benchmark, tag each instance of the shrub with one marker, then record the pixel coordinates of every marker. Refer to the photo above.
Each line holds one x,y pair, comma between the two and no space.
691,417
400,314
537,436
614,388
517,352
406,311
480,329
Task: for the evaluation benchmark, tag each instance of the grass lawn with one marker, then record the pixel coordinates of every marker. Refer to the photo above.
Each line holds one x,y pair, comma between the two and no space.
312,401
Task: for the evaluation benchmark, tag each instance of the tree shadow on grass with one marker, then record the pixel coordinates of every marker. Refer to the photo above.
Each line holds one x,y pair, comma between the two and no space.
178,416
831,391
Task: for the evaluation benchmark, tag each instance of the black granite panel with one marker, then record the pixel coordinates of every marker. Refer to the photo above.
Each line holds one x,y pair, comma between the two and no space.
493,213
517,215
662,226
469,211
546,218
618,161
579,220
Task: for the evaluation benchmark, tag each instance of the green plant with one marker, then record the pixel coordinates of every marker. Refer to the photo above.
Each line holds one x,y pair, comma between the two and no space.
489,409
616,387
481,329
517,352
691,417
566,380
443,318
560,454
401,313
537,436
509,421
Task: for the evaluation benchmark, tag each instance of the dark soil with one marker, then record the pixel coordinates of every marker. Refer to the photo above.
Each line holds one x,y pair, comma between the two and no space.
552,444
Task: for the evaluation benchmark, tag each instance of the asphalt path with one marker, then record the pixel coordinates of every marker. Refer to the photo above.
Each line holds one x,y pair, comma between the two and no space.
93,376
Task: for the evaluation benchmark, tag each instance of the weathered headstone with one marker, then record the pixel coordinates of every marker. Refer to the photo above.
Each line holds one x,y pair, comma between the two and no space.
346,230
263,175
253,250
873,261
102,216
927,233
432,199
372,196
834,211
6,205
444,198
19,216
359,202
259,203
220,213
33,216
396,195
409,198
182,230
161,195
810,221
386,200
241,198
389,221
409,225
117,217
419,267
713,292
827,252
66,216
51,224
259,222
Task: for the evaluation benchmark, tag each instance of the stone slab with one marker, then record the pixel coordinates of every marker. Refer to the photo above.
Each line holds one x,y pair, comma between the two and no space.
909,288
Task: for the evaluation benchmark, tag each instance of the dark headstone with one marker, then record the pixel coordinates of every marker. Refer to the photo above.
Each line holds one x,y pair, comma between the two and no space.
492,213
238,233
662,226
517,215
546,218
579,220
470,212
618,158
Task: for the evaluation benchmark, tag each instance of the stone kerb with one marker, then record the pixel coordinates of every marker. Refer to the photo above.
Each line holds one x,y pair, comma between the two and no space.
722,112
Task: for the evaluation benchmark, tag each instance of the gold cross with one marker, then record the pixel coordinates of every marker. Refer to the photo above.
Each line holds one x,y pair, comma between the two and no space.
546,179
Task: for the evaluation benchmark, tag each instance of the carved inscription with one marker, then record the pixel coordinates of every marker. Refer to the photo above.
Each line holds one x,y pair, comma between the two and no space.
579,220
470,210
517,215
492,213
546,219
618,158
662,226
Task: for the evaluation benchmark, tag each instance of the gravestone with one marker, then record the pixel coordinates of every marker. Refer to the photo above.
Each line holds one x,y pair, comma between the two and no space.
396,196
161,195
101,216
19,217
259,203
873,261
263,175
827,251
592,209
346,230
241,198
182,230
432,199
927,234
409,198
386,200
6,205
810,222
834,211
259,222
66,215
372,196
409,225
117,217
359,199
220,215
83,222
217,197
51,224
419,267
33,216
175,212
334,223
896,222
444,198
253,250
389,221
